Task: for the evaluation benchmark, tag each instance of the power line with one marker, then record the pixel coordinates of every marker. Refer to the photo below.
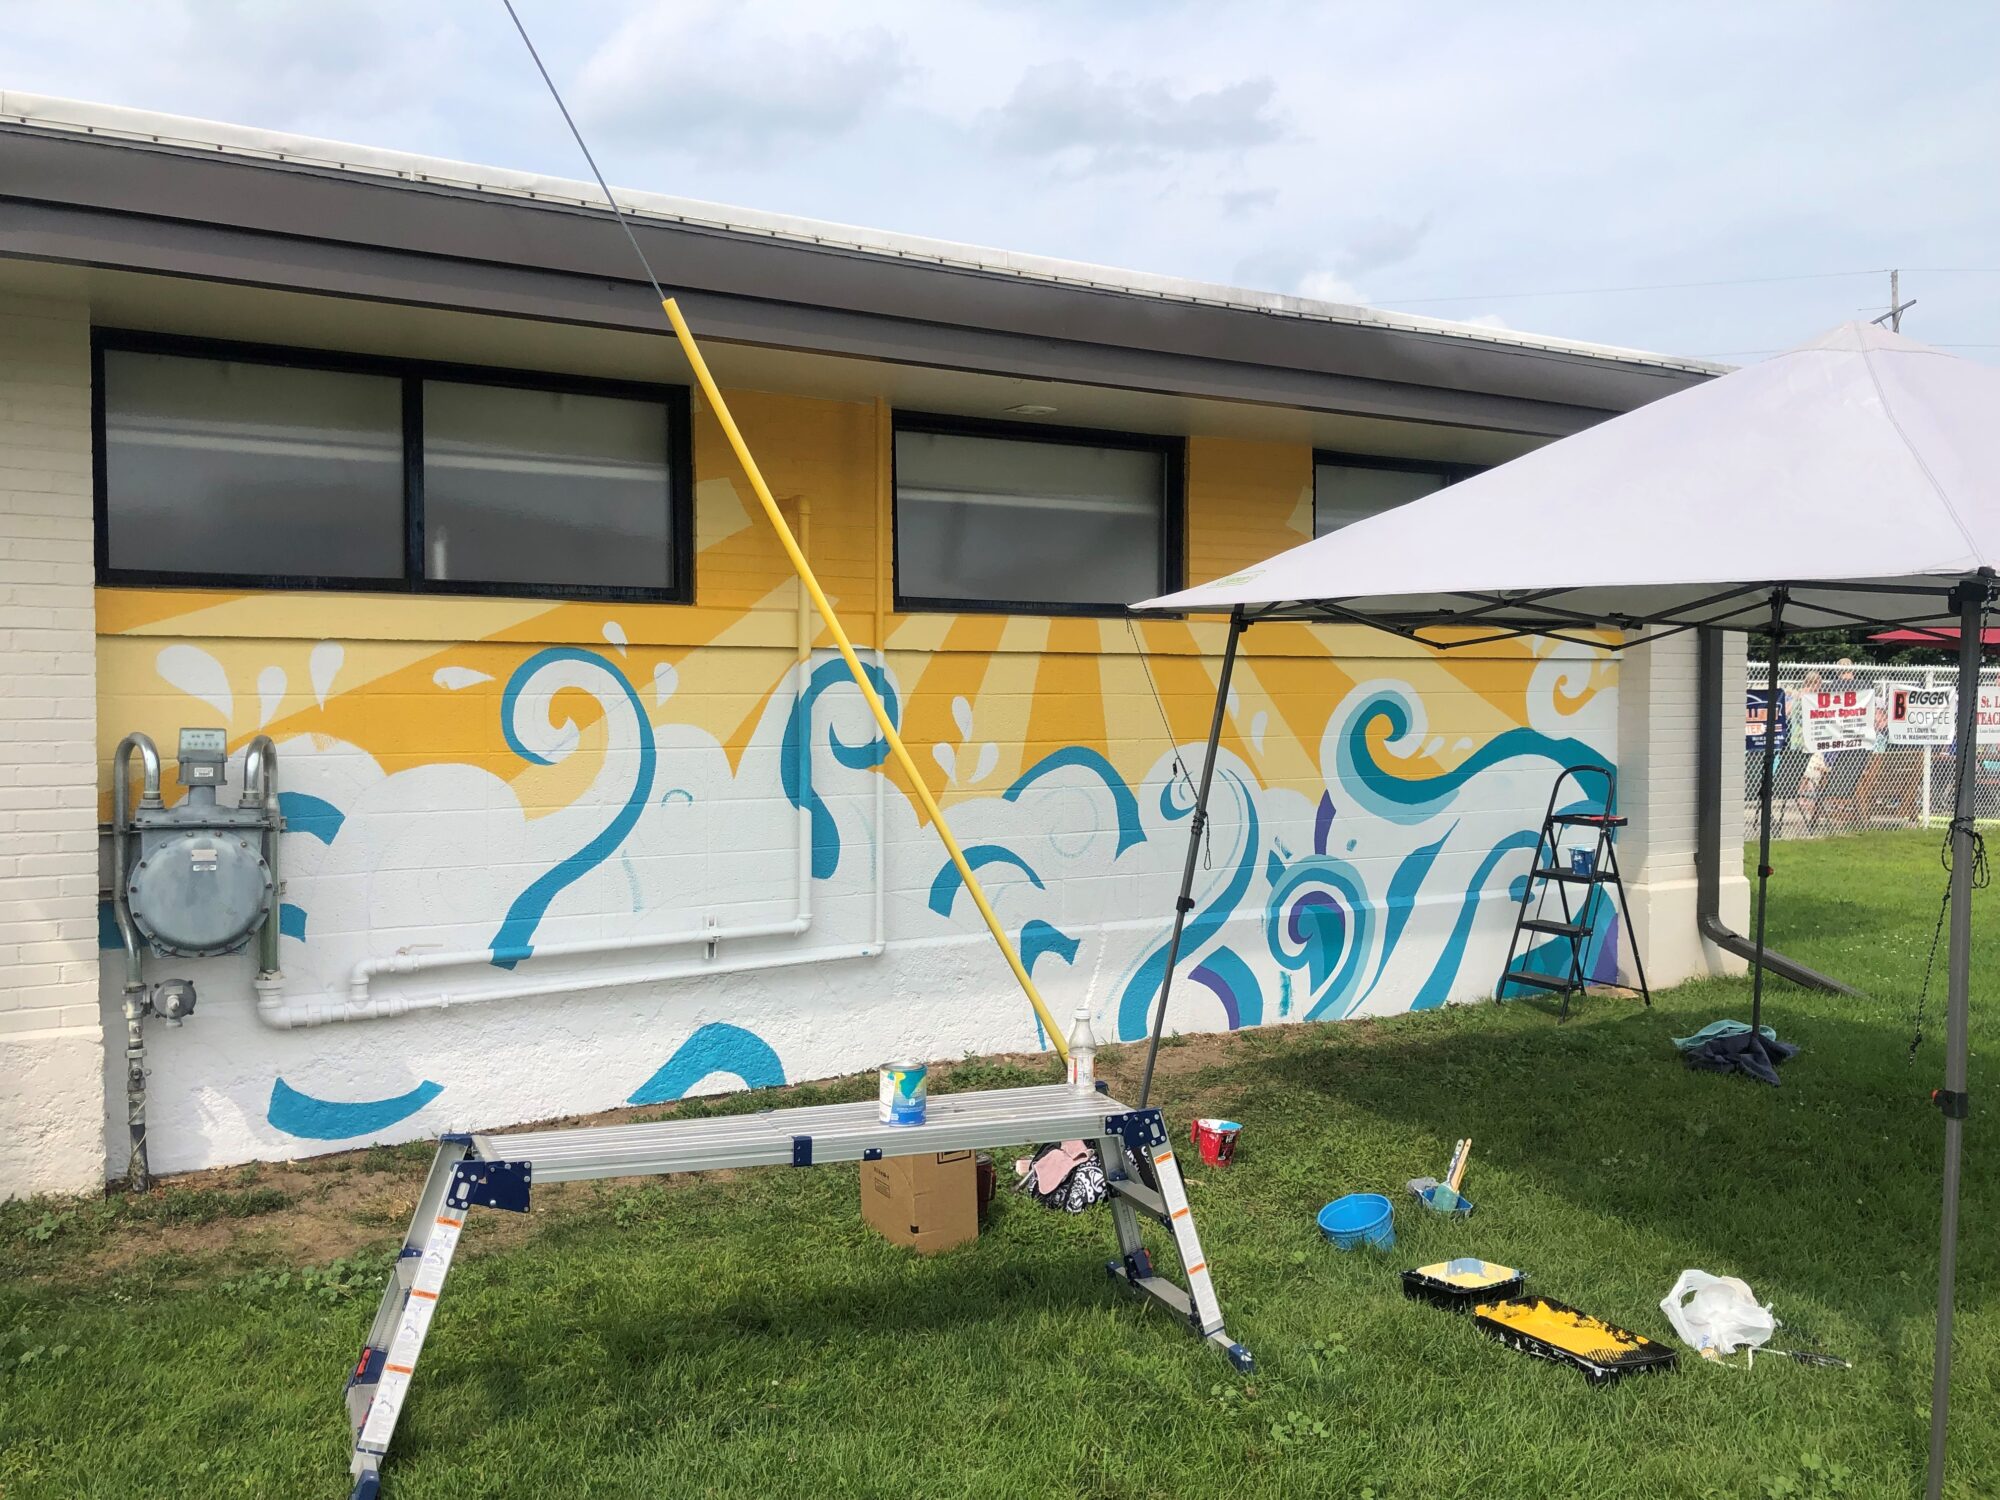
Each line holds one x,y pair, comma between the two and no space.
1753,353
584,147
1659,286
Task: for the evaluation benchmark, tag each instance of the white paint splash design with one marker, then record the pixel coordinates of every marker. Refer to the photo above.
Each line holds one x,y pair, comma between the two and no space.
455,678
197,674
983,761
665,680
615,633
1257,727
324,665
270,694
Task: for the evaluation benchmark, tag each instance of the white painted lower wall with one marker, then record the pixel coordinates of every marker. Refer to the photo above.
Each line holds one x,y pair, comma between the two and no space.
1363,887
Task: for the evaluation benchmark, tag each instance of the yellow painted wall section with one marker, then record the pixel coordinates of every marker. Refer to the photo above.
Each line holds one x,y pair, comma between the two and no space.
385,659
1245,501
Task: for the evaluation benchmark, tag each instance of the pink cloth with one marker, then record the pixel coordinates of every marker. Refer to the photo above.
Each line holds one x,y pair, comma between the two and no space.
1053,1165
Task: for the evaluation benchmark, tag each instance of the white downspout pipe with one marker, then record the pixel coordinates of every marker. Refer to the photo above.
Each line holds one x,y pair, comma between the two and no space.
277,1009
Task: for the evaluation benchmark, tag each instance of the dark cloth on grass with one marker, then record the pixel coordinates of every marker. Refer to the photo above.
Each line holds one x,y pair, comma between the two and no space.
1757,1056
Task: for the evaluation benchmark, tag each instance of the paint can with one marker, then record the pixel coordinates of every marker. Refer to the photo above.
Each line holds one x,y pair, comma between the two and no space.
904,1093
1216,1140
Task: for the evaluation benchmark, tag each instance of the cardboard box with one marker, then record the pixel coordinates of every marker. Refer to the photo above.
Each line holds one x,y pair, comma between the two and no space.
929,1203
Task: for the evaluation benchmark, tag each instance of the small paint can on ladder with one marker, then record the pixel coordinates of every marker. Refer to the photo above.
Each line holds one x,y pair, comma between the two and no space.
905,1091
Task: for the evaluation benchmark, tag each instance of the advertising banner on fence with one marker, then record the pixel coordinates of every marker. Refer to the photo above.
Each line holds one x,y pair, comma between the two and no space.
1757,713
1989,716
1922,716
1844,719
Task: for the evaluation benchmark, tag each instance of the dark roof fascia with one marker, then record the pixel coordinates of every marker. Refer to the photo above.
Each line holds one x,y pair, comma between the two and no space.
118,204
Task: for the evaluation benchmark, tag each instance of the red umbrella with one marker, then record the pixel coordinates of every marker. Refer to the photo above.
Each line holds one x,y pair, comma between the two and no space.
1944,637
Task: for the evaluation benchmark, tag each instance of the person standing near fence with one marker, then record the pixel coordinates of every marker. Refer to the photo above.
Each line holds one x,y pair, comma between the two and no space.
1814,773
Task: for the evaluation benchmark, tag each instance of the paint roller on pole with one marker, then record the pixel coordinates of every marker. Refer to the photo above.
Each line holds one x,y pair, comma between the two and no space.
798,558
875,706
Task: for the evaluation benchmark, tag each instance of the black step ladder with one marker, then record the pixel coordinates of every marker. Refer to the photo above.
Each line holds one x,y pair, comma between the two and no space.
1583,874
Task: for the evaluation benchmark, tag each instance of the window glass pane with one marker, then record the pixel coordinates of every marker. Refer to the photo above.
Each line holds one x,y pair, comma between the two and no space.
545,487
1346,493
220,466
1000,520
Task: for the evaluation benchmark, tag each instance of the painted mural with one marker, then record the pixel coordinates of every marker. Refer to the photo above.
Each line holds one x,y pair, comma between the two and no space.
544,859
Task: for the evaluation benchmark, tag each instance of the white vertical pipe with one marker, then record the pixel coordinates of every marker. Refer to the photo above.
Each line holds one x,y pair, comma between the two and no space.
1930,683
803,666
881,851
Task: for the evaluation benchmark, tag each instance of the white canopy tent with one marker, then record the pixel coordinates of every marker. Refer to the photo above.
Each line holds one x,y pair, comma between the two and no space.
1852,483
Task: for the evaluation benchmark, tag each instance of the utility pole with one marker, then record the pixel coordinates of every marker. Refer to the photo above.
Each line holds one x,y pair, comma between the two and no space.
1897,306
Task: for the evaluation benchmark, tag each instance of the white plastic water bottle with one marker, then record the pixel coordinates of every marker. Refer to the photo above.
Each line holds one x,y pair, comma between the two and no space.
1082,1053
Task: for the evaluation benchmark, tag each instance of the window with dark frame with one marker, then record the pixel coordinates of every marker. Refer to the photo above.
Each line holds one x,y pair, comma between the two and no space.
226,465
1031,519
1350,487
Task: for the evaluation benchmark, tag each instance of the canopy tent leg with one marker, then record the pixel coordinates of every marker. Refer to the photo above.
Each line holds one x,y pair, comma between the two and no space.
1237,625
1971,598
1764,810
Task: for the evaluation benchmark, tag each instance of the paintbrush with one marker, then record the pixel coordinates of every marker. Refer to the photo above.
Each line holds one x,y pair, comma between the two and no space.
1455,1174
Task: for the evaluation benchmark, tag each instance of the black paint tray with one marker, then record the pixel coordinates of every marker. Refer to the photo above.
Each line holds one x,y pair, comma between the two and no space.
1461,1284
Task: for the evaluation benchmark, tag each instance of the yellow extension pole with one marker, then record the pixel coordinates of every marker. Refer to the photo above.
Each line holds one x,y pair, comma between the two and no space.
833,627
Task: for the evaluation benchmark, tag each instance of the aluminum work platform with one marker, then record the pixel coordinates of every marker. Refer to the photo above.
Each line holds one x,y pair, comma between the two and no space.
499,1171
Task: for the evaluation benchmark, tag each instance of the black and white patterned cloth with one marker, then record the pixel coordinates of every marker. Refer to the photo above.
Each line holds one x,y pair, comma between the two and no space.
1078,1188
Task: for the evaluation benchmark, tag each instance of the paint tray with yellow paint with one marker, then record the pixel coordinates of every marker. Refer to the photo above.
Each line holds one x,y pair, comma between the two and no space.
1462,1283
1554,1331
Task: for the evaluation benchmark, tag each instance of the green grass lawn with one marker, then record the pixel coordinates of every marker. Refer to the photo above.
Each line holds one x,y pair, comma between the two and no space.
751,1337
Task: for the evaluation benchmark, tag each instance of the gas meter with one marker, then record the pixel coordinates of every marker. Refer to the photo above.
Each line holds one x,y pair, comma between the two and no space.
193,880
201,884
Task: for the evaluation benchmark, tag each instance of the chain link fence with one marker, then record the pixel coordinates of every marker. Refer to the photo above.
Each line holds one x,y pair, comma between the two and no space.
1864,746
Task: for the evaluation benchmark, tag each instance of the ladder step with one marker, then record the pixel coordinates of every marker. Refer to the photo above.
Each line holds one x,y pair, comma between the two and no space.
1590,820
1559,929
1538,981
1570,877
1140,1197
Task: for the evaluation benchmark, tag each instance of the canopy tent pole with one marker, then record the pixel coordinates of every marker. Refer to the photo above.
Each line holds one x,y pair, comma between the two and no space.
1764,809
1237,625
1971,599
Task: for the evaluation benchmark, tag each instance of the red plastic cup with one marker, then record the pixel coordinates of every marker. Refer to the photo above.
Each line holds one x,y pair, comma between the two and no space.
1215,1140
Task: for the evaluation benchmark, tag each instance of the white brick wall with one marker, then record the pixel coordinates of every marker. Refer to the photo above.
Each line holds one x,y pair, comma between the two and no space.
51,1043
1658,729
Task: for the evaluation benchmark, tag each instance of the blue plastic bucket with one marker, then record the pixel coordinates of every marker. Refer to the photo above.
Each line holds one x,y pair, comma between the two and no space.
1359,1219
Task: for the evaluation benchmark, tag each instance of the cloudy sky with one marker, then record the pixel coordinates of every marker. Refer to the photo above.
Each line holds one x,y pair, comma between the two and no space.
1435,157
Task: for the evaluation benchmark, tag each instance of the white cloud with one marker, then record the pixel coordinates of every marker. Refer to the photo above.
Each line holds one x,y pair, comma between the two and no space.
1378,242
1062,109
680,78
1324,286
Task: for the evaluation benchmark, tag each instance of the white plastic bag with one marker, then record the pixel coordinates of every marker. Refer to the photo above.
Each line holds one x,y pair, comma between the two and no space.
1717,1312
